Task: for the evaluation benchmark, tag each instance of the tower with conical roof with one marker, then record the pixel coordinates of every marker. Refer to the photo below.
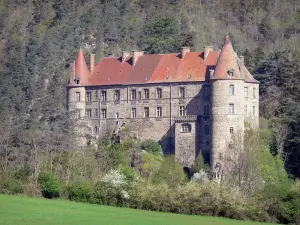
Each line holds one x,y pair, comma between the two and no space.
227,100
79,75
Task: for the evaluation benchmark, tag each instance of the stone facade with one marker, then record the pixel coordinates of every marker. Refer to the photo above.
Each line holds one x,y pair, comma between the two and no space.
184,116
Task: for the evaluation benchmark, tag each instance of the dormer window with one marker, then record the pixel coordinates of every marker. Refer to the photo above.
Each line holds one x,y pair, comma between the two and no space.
230,73
77,81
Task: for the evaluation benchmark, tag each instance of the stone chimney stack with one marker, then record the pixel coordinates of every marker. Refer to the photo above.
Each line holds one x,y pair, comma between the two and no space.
184,50
124,56
135,56
72,72
92,62
207,50
242,64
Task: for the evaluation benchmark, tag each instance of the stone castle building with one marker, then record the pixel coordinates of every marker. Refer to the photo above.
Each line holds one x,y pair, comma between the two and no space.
188,101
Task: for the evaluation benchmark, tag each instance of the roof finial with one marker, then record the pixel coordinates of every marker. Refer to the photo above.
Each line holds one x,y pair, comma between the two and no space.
227,39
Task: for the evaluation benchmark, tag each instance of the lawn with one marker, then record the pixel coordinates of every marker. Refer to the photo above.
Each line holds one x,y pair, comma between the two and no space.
16,210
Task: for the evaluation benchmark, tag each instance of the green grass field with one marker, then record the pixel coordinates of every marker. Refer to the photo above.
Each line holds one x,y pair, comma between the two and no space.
24,210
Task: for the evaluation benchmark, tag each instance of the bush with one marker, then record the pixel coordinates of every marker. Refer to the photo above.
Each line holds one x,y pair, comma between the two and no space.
79,191
10,185
170,172
115,188
151,146
49,185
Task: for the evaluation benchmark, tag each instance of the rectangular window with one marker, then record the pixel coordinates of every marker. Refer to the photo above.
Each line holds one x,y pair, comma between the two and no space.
117,95
146,112
181,92
206,130
231,90
253,110
182,111
206,110
246,92
96,130
77,96
159,111
117,115
88,113
77,114
133,94
103,96
88,96
231,130
133,113
96,95
159,93
206,91
254,92
186,128
103,113
146,93
139,95
96,113
245,110
231,108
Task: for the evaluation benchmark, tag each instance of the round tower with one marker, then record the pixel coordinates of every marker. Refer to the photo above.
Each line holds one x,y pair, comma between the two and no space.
227,111
76,90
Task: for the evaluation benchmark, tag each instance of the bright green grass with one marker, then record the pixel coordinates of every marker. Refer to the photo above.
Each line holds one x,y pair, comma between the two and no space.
16,210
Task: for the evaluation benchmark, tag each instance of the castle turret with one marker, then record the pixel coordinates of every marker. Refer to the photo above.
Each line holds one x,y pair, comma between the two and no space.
79,75
227,84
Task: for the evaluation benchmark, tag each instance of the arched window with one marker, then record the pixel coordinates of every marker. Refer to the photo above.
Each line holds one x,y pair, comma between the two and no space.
186,128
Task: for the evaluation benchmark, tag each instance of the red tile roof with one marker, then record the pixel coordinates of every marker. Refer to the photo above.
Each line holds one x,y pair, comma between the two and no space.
81,69
163,68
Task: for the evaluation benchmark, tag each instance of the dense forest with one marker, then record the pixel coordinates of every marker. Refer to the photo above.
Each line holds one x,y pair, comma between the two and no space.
40,38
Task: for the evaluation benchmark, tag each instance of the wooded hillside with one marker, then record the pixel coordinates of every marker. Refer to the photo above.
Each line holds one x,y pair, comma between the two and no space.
40,38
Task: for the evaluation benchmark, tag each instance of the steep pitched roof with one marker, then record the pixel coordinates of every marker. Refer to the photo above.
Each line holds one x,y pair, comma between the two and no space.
163,68
81,68
227,62
155,68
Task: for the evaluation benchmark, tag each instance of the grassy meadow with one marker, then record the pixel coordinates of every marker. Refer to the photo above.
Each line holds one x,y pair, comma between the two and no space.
16,210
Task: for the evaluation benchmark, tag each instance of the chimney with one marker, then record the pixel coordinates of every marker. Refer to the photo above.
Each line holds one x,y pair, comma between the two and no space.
184,50
242,63
136,55
207,50
92,62
72,72
125,55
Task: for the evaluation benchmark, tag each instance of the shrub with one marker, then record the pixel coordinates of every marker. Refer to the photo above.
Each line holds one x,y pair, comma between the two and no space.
170,172
79,191
151,146
49,185
114,189
11,185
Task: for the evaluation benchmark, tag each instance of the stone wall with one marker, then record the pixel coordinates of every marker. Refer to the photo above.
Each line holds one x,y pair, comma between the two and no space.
222,120
160,129
164,129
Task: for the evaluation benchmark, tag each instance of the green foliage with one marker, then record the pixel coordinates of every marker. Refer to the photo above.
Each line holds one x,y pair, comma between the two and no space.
49,185
10,185
199,164
151,146
163,35
150,164
170,172
79,192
